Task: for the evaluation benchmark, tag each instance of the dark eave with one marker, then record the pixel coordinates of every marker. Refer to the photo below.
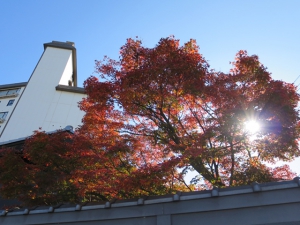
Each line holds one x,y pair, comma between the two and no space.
66,45
21,140
70,89
15,85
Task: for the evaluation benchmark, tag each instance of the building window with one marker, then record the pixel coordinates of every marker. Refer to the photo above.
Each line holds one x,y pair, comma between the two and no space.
10,102
3,116
9,92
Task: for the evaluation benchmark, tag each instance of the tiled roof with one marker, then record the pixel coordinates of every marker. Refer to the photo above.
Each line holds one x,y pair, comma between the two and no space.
182,203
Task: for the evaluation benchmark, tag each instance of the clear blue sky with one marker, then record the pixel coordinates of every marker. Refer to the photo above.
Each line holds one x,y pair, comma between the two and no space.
268,28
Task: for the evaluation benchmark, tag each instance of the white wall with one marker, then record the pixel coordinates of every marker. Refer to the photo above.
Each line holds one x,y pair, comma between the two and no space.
9,109
67,74
41,106
63,111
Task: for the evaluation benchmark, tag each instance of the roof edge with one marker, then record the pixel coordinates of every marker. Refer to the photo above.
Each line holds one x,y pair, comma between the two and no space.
72,89
191,199
14,85
8,143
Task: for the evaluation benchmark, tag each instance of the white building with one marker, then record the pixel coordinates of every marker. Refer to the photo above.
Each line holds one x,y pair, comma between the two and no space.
49,100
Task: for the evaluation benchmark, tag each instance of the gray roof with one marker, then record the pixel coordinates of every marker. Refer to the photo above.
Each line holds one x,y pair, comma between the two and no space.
68,128
270,203
15,85
70,89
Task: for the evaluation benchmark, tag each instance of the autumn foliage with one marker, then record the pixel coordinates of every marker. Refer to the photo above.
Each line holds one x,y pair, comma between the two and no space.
40,173
152,116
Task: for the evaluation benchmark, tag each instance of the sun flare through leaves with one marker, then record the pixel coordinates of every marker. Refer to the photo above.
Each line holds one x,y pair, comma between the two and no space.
252,126
154,114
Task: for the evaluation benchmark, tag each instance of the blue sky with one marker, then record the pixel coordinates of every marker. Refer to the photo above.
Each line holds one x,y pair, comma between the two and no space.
267,28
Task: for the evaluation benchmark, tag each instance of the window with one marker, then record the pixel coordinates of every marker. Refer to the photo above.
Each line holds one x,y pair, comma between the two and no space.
10,92
10,102
3,116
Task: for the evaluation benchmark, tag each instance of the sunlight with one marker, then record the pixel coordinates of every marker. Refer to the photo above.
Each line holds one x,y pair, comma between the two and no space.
252,126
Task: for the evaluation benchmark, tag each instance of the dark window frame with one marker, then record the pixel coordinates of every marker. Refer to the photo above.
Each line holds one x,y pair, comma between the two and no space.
3,115
10,102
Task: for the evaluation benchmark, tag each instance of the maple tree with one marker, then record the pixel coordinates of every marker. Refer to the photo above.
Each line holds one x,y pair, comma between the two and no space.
41,172
152,116
167,98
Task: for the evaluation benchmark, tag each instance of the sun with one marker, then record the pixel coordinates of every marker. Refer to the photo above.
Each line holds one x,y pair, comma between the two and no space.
252,126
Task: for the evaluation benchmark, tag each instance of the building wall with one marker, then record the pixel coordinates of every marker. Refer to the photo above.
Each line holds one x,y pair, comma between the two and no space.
4,107
41,105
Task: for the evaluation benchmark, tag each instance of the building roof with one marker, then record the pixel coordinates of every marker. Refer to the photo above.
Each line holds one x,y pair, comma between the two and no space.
21,140
70,89
270,203
15,85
